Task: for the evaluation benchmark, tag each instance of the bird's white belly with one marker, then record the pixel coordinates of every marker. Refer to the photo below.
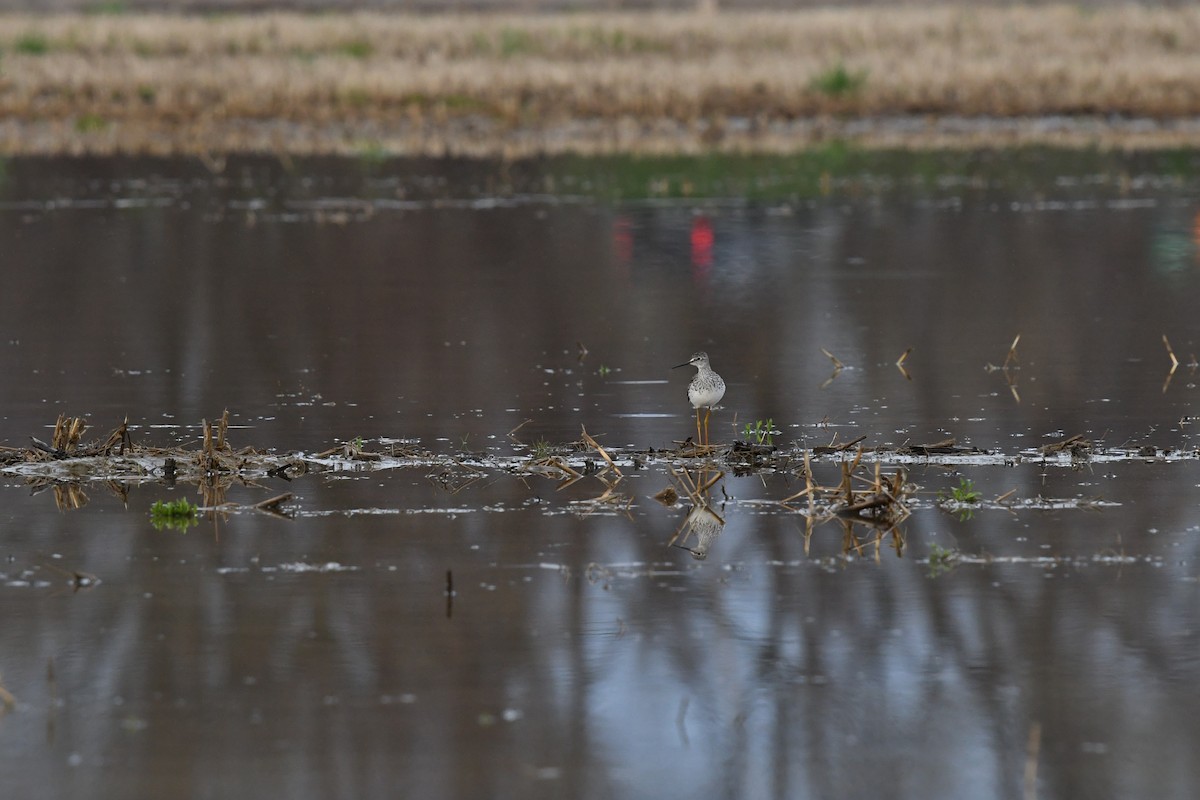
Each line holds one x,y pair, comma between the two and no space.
705,396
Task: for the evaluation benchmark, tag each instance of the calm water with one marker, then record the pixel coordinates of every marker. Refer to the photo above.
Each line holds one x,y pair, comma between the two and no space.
319,657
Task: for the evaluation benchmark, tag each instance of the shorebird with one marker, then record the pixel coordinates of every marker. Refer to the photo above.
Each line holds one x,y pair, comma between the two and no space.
705,390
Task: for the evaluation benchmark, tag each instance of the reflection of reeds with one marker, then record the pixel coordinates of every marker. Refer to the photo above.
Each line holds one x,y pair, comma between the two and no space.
837,367
1174,364
900,364
69,496
1009,377
875,500
196,84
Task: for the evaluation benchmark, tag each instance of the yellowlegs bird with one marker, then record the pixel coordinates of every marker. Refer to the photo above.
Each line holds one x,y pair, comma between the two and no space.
705,390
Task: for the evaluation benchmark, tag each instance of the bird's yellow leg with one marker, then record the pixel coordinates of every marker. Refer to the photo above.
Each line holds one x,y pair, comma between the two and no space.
697,426
707,414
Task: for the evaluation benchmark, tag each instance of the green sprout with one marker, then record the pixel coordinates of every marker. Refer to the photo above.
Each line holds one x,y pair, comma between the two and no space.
961,498
965,492
177,514
760,432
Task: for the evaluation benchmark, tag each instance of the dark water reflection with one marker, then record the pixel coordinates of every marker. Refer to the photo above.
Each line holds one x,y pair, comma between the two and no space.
581,656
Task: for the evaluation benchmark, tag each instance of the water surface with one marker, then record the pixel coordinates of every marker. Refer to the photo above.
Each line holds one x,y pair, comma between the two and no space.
451,303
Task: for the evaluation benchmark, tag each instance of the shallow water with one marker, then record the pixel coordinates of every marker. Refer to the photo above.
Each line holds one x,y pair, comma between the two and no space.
447,303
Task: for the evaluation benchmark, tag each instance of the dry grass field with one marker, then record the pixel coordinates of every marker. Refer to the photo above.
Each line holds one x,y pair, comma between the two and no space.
512,84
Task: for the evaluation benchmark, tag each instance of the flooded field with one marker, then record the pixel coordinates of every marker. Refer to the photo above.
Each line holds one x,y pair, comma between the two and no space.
460,374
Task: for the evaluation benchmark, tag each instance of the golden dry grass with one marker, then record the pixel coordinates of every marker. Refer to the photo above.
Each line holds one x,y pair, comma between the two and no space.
657,82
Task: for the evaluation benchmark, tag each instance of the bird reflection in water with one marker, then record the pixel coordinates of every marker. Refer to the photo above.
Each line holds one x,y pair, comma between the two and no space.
703,524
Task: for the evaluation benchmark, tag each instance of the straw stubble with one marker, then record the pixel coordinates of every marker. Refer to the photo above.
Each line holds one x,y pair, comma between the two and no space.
594,82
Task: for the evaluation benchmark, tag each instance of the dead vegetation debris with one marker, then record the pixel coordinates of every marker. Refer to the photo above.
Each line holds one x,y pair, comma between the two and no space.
873,489
1078,446
944,447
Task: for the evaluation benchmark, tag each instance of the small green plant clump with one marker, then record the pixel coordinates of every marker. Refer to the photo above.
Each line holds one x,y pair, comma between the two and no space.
516,42
371,154
32,44
178,514
90,123
837,81
760,432
356,48
941,560
961,498
106,8
965,492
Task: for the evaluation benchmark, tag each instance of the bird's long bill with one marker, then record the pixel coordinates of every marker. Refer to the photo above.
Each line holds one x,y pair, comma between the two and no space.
684,364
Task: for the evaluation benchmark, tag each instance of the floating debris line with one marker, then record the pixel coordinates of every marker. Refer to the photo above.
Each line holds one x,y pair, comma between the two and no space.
68,463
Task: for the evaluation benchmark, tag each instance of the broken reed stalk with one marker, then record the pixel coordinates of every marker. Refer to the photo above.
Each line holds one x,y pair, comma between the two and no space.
603,454
1012,386
514,430
67,433
710,483
214,435
808,489
272,503
1012,353
900,364
1174,364
685,480
1171,353
568,474
56,439
678,532
120,437
1001,498
845,487
833,447
837,364
837,367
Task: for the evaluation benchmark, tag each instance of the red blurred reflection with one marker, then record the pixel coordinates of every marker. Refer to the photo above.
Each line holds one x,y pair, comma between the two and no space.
702,246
